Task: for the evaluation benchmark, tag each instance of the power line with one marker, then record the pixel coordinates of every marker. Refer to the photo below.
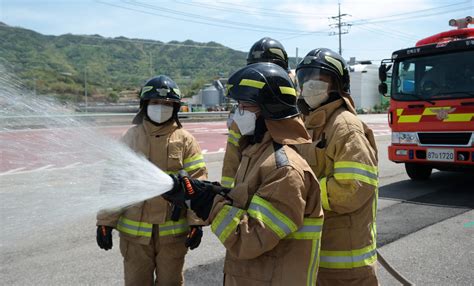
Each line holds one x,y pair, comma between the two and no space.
399,19
404,14
197,18
378,21
273,13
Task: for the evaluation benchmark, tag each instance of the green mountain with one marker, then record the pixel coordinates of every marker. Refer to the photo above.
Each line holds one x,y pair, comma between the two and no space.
60,64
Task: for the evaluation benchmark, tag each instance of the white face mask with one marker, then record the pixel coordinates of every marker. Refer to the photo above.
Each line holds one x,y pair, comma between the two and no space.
315,92
159,113
245,121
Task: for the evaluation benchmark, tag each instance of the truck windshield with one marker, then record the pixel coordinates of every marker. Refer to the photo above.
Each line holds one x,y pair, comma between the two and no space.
428,78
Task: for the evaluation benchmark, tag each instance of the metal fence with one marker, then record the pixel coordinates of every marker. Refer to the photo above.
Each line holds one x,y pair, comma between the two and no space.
100,119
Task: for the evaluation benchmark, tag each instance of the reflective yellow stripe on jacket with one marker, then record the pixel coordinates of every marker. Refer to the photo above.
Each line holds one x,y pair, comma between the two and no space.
138,228
227,182
132,227
233,138
174,227
346,170
324,194
265,212
193,163
226,222
311,230
349,259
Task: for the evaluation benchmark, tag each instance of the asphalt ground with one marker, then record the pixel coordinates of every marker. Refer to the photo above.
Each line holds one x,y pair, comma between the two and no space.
425,230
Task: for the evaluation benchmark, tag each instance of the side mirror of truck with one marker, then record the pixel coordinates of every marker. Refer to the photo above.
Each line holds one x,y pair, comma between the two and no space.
383,89
383,69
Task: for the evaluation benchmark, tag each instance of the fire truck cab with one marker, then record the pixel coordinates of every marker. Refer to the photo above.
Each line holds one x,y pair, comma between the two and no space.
431,110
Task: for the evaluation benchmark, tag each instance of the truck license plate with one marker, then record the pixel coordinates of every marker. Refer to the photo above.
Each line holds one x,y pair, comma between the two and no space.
445,155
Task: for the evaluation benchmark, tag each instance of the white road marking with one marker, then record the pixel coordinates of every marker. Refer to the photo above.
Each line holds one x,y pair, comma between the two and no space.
12,171
72,165
43,168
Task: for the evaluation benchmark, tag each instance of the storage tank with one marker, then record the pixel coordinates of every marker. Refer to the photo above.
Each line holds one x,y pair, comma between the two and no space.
210,96
364,85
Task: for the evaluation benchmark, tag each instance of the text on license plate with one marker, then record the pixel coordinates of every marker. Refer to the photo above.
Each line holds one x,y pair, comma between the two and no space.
446,155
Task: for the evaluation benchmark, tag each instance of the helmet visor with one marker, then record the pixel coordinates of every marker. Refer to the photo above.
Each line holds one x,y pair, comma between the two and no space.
311,74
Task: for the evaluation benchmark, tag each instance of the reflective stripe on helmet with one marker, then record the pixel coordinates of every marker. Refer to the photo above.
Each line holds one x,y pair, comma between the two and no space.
226,221
252,83
146,89
265,212
287,90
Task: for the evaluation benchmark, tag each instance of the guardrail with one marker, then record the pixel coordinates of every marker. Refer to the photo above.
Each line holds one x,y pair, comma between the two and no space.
101,119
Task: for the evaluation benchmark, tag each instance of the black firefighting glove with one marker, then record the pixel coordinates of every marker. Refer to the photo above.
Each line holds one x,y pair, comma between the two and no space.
104,237
194,237
195,194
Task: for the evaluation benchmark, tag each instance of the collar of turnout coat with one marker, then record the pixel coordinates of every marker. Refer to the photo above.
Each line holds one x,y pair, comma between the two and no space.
319,117
154,130
290,131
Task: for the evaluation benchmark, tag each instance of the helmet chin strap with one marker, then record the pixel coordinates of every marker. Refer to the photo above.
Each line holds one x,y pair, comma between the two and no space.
260,130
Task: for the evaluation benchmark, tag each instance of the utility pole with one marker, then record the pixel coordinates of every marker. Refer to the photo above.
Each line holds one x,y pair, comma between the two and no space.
296,58
151,64
339,26
34,85
85,87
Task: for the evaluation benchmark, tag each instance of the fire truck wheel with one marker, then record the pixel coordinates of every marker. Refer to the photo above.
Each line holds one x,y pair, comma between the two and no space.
418,172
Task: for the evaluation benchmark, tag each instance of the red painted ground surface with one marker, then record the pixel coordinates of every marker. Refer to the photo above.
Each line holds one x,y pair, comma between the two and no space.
212,136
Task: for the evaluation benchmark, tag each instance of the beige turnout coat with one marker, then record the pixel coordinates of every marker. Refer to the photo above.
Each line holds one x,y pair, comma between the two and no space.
272,227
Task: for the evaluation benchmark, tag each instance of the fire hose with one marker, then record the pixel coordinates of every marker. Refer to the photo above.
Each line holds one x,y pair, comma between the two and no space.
395,274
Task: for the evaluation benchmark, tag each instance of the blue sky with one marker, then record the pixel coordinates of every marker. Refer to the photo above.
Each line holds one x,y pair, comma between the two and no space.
378,26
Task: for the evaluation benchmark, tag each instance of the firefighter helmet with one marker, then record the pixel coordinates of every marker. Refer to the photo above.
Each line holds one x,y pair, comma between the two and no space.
268,50
324,61
159,87
266,85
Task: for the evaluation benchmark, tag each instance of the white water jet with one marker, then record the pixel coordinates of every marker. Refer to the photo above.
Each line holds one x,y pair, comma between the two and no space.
63,169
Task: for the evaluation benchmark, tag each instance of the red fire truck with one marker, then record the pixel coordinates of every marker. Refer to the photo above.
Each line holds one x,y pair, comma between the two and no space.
431,110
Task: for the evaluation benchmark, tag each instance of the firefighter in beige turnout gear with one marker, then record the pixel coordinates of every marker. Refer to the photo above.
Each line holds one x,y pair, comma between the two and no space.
344,158
154,234
270,222
263,50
